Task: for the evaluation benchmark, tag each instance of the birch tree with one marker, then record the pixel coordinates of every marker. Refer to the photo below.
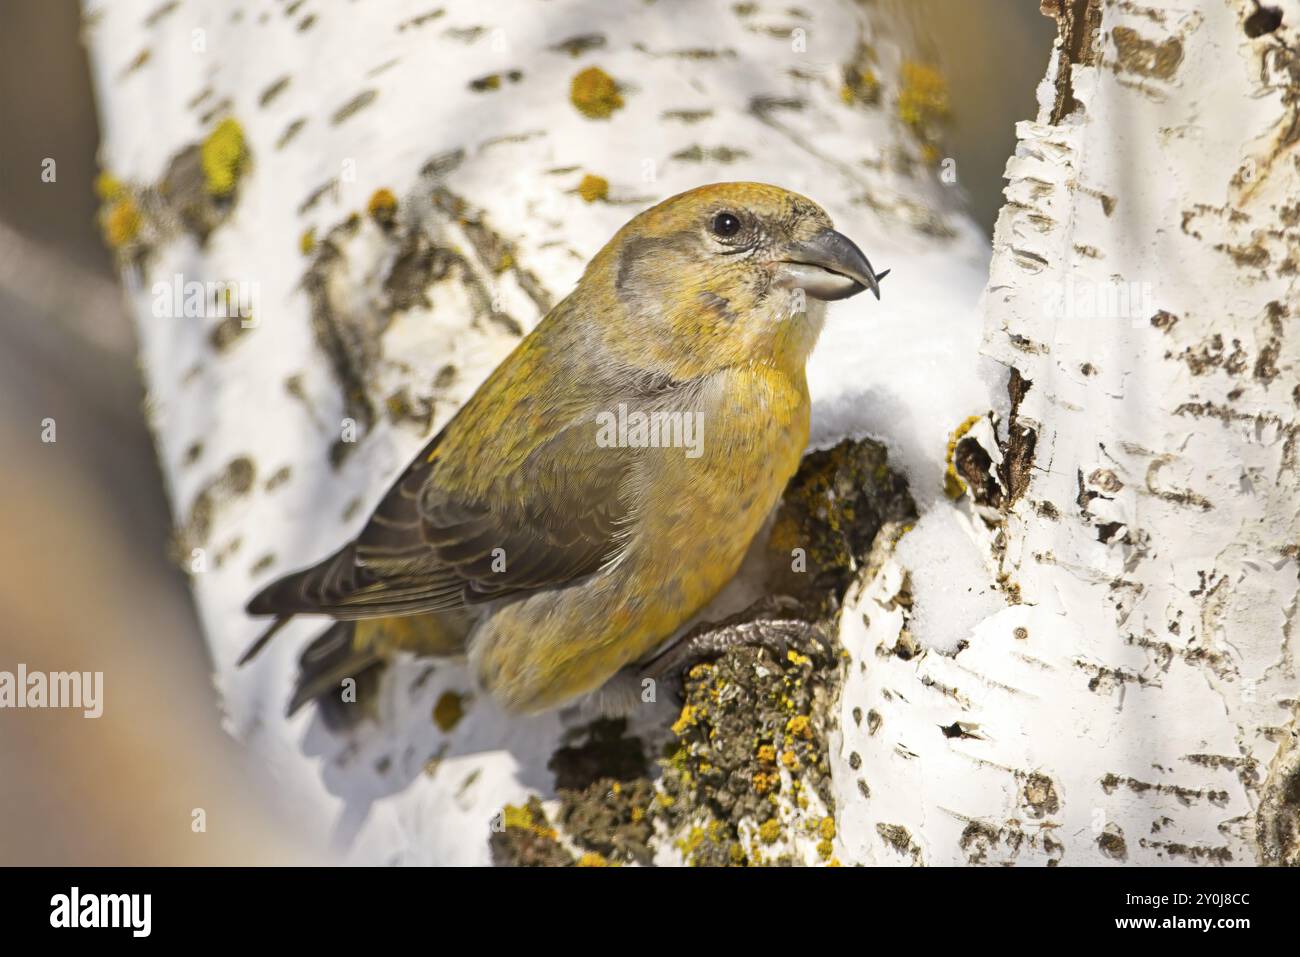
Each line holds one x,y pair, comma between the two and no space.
1043,554
1136,700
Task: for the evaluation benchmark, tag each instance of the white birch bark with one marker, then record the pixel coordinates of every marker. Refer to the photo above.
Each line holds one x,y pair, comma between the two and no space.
1138,701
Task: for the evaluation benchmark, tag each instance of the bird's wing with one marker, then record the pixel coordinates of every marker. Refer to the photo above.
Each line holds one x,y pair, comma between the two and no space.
427,548
486,510
553,518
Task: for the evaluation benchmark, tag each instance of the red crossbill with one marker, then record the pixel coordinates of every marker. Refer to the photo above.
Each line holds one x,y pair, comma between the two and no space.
606,480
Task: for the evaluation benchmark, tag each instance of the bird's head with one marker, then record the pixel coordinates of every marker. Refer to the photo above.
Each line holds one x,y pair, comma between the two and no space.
727,273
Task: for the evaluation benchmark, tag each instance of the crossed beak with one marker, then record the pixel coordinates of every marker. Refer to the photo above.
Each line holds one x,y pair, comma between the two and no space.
829,266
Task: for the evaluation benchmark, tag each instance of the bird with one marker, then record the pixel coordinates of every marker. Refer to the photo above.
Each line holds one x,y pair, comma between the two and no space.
605,481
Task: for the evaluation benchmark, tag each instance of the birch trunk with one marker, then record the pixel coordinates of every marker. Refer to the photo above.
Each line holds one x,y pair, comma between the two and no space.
1137,702
403,191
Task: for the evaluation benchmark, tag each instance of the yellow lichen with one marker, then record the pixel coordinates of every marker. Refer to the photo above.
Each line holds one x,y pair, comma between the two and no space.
522,818
108,187
382,206
592,859
448,711
825,850
691,842
826,829
121,223
223,157
515,816
699,671
923,98
790,760
715,832
595,94
799,726
769,831
860,86
307,241
685,720
953,486
797,659
593,188
767,754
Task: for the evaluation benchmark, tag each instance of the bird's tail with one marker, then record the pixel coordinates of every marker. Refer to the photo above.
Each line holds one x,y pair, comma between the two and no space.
325,668
359,650
262,639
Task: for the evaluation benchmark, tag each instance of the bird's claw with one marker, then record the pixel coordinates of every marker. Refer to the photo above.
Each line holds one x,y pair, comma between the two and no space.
712,641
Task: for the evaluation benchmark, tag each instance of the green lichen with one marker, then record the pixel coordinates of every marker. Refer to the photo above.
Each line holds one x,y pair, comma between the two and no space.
224,157
830,514
860,84
606,800
382,207
120,218
108,187
595,94
593,188
923,104
750,738
121,223
523,837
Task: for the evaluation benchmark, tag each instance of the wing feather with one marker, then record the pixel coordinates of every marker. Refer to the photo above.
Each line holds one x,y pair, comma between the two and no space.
457,528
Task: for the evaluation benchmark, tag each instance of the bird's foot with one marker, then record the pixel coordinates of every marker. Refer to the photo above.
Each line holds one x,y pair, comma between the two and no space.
767,624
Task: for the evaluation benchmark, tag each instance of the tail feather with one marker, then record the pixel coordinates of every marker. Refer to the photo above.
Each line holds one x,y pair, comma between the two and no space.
325,664
359,650
306,590
262,639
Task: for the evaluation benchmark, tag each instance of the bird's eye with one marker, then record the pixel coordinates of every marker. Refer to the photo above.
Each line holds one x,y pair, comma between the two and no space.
725,225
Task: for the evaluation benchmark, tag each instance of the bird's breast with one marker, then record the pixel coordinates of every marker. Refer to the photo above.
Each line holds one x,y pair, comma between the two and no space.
700,511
